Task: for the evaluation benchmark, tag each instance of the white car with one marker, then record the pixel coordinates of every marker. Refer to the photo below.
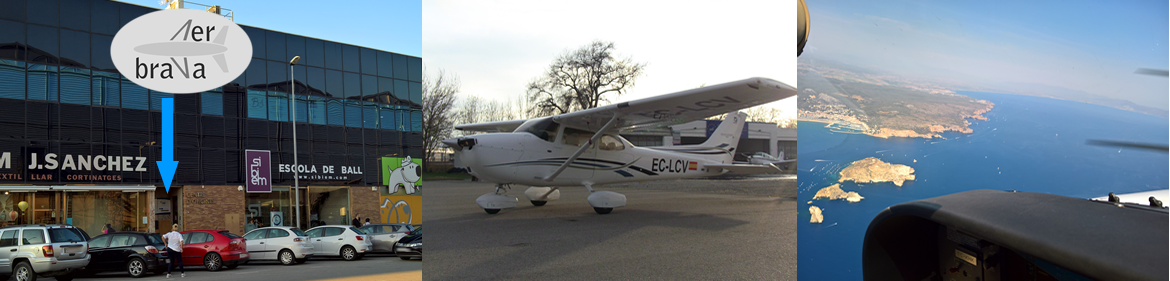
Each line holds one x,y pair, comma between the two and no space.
344,241
285,244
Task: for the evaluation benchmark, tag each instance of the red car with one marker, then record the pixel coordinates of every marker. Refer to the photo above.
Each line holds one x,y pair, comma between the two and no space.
213,249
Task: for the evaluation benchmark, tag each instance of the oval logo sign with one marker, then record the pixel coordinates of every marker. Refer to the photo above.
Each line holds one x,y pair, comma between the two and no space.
181,51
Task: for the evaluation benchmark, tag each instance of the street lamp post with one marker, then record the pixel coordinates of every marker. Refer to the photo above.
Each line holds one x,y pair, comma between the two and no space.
296,167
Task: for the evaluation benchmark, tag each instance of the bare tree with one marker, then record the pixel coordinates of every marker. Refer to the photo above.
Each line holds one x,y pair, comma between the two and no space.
580,79
439,97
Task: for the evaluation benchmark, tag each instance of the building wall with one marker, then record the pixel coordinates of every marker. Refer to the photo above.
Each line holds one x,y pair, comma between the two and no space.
213,207
365,202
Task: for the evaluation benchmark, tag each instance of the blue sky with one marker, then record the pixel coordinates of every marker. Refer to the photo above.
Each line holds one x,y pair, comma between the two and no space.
1089,46
392,26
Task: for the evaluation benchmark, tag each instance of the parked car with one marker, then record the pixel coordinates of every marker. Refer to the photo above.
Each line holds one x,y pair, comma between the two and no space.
214,249
410,246
344,241
138,253
288,245
384,235
29,251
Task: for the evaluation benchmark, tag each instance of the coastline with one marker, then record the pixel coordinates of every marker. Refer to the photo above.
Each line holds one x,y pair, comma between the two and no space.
935,129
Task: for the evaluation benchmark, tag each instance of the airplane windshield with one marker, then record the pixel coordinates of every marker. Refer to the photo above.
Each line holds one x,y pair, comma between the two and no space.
544,128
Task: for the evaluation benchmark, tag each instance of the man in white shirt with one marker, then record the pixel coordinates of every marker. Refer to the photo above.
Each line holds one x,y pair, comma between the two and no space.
174,242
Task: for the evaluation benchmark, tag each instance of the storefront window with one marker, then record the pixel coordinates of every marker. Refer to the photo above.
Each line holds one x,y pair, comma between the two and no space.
329,205
268,209
93,210
11,212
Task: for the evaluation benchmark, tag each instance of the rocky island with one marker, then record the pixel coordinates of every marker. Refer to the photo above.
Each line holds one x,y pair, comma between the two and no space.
816,214
873,169
851,100
834,192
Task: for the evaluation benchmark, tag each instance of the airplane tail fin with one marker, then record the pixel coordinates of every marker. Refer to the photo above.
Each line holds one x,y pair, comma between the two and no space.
726,136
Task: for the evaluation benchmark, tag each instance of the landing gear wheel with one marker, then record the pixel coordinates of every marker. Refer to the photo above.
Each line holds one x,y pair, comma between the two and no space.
491,211
213,262
348,253
539,203
136,268
603,210
23,272
286,257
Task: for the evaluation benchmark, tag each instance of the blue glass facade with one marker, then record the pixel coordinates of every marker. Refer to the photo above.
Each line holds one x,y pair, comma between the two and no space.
60,94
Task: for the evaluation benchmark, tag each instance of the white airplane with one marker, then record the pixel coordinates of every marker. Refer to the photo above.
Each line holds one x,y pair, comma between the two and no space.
760,158
583,148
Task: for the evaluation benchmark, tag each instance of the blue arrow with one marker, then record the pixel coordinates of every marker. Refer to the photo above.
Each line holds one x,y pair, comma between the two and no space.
167,166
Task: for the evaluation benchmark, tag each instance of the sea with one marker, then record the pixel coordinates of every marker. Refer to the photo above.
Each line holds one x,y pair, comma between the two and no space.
1028,143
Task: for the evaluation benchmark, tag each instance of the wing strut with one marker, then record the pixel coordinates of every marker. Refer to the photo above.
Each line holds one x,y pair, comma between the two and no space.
581,150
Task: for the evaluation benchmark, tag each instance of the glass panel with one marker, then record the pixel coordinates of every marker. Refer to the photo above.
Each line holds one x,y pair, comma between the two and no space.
252,235
298,232
296,47
120,241
156,99
257,38
75,85
262,206
314,53
416,120
13,10
12,32
42,82
353,85
278,73
105,89
316,110
43,44
385,64
11,214
336,111
255,74
316,232
416,93
401,67
332,55
369,61
75,15
99,242
369,87
315,77
353,114
211,103
93,211
333,83
369,115
386,116
403,118
104,17
128,13
415,65
44,12
332,231
11,79
100,53
277,233
352,58
302,110
329,205
257,104
134,96
277,106
32,237
386,91
75,48
275,46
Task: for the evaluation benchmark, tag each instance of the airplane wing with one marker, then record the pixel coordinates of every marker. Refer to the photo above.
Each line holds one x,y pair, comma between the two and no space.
1140,198
492,127
682,106
746,168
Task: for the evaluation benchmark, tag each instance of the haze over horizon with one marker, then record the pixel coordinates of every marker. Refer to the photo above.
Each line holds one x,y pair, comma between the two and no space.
1022,47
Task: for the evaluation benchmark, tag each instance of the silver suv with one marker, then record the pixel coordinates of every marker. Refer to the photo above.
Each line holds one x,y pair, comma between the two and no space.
28,251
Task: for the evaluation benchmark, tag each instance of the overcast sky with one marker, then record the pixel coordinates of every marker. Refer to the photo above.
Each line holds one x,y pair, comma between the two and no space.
1081,45
497,47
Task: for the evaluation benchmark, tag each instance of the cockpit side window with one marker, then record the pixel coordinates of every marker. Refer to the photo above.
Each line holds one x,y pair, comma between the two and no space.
576,137
609,142
544,128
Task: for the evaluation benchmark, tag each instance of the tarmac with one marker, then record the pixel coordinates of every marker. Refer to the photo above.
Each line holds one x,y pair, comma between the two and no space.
737,229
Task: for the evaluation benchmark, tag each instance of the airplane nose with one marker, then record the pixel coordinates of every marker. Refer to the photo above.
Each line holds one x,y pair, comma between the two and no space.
452,143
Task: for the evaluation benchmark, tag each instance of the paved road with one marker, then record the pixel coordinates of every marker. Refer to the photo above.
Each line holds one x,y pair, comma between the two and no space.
372,267
740,229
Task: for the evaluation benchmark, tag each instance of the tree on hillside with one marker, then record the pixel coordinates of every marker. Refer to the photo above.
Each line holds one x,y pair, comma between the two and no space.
439,95
580,80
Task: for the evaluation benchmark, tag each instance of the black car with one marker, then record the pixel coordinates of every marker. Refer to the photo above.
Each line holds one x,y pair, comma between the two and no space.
137,253
410,246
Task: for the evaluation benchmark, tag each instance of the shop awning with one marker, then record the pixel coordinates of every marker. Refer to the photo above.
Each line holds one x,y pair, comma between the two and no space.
24,188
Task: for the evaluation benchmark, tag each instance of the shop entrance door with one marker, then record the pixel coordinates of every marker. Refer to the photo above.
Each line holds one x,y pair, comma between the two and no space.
44,207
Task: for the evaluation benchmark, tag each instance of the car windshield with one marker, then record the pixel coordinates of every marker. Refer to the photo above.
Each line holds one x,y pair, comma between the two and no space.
229,234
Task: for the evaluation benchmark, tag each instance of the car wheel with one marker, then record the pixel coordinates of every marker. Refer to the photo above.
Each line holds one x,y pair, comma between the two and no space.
404,258
286,257
348,253
136,267
23,272
213,262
